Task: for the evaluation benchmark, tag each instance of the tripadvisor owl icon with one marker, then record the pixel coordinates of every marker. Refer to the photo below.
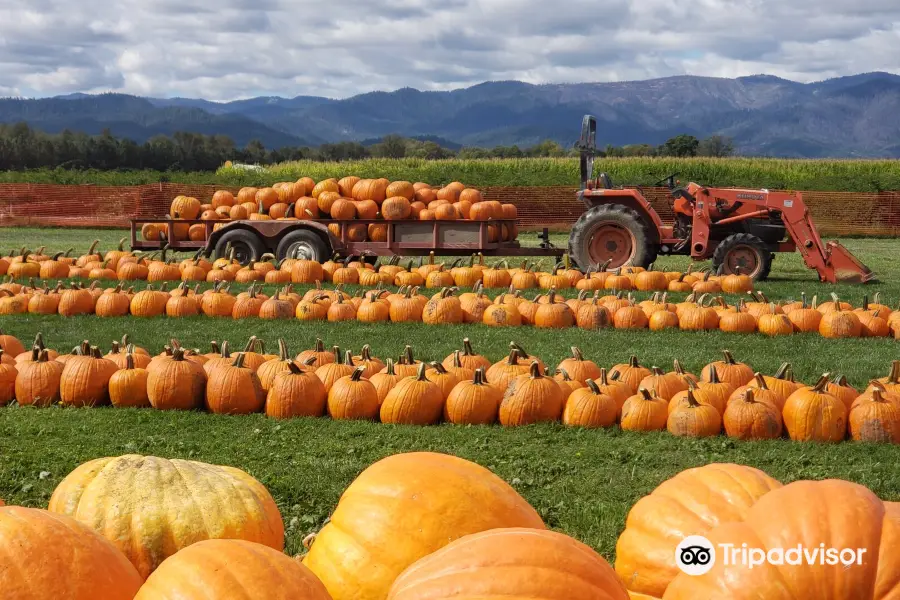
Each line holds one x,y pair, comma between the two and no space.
695,555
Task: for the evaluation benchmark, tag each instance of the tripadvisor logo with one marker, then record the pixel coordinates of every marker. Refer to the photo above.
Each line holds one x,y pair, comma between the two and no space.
696,555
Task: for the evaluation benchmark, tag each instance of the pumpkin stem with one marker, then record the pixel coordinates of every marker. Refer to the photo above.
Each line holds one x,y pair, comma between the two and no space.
513,358
691,401
438,367
894,375
407,357
633,362
348,358
645,393
576,354
604,377
837,302
129,361
282,350
760,381
819,388
535,370
114,348
782,370
593,386
714,375
239,361
420,374
320,346
479,377
389,367
178,354
564,373
657,372
748,396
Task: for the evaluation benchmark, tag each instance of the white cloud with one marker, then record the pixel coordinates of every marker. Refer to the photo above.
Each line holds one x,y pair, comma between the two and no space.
240,48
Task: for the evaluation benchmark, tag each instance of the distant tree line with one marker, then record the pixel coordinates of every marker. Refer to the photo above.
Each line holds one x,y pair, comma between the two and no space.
22,147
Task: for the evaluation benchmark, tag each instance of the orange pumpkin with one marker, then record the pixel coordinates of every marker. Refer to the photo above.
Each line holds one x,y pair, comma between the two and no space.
511,563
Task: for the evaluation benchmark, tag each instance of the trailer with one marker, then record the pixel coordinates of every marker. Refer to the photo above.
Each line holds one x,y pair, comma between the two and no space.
315,239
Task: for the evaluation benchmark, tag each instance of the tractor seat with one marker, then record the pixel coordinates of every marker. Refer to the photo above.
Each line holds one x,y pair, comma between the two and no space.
605,181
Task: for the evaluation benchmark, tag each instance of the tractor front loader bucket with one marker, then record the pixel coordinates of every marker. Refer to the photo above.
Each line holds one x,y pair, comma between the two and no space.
844,267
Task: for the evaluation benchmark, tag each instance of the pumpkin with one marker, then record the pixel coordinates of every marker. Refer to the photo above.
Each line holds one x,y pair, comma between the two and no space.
526,564
413,401
644,411
37,381
353,397
272,368
135,503
232,569
590,407
839,323
892,381
631,373
443,309
728,370
747,418
875,416
473,402
85,379
781,384
53,556
8,375
666,385
761,393
175,383
812,515
694,419
340,366
690,503
443,378
531,398
842,390
128,386
295,393
468,358
812,414
737,321
680,399
804,317
385,380
376,531
234,389
187,207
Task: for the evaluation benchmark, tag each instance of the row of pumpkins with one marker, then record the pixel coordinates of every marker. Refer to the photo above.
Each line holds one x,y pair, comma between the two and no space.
464,389
346,199
430,526
833,319
124,265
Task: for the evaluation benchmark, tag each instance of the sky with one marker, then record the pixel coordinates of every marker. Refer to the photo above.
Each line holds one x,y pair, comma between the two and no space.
230,49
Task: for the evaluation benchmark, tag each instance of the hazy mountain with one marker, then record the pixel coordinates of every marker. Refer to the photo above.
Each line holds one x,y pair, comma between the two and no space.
766,115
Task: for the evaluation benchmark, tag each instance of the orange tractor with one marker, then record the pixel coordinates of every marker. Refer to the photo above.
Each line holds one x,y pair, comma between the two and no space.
740,230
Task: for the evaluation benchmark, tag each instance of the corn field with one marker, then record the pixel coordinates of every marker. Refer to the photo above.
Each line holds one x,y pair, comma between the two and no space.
813,175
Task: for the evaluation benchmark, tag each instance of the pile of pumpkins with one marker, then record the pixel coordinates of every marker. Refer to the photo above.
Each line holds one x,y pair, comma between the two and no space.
429,526
464,389
342,200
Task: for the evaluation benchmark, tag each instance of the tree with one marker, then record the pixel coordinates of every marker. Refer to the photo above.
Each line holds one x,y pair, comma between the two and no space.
680,145
716,145
392,146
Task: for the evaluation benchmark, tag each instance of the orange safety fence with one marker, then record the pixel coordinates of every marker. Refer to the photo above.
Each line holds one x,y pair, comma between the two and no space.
48,205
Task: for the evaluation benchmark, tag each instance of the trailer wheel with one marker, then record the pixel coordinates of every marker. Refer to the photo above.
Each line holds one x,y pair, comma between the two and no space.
246,245
743,254
614,233
304,244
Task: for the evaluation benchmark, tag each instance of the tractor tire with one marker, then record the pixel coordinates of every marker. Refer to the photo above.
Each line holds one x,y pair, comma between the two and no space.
247,246
612,232
743,254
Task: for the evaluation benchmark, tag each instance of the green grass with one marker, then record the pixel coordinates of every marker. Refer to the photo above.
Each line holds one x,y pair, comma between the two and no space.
582,482
819,175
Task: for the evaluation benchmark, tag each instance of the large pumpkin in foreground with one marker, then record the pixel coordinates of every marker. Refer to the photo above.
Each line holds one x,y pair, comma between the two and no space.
46,556
403,508
232,570
151,507
525,564
832,513
691,503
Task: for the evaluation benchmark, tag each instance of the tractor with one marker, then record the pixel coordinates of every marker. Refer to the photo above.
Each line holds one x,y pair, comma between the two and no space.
739,229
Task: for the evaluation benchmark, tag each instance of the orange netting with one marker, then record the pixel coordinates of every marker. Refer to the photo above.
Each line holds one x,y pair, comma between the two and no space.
834,213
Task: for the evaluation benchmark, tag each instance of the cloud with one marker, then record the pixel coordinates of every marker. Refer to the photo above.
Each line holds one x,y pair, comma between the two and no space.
338,48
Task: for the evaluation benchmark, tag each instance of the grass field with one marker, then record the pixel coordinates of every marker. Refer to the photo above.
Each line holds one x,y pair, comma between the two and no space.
582,482
819,175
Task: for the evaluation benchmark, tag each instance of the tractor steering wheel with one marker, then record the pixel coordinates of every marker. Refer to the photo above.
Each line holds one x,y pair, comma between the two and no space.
669,181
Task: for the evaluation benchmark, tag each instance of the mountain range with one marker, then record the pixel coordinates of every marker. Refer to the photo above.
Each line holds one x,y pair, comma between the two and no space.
854,116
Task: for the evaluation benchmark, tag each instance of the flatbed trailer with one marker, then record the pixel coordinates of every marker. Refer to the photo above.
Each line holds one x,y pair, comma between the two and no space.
313,239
